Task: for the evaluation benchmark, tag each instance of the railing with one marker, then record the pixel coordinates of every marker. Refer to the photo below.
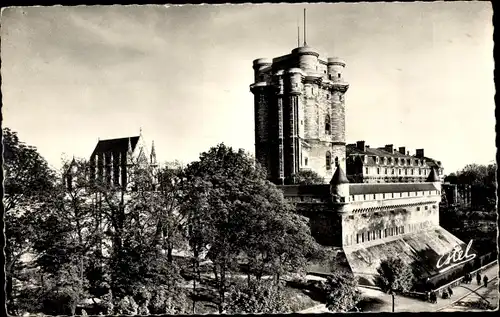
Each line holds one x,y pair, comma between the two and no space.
459,281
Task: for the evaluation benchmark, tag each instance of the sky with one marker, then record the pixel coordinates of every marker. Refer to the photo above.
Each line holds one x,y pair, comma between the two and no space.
420,74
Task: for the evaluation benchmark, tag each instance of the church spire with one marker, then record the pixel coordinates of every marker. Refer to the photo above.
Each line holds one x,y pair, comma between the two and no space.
153,153
129,150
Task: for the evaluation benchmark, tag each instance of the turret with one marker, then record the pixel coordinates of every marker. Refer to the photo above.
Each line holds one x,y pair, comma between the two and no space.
335,69
295,80
307,57
339,188
259,65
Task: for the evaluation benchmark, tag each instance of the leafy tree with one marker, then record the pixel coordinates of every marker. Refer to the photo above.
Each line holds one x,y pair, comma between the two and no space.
342,292
482,179
308,177
394,276
28,180
264,297
235,212
171,222
69,236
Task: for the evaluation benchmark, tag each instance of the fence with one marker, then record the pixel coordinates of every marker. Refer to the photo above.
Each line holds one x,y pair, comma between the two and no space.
439,280
458,281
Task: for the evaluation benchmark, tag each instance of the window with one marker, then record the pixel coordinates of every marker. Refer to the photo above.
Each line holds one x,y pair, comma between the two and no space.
385,160
379,235
327,124
385,172
336,161
366,170
378,170
374,196
385,233
402,229
383,196
377,159
392,171
305,161
399,171
364,197
330,77
419,171
368,236
339,75
406,171
411,171
426,207
358,238
328,159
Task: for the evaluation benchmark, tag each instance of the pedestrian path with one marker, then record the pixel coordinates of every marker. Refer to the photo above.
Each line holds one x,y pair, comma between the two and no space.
378,301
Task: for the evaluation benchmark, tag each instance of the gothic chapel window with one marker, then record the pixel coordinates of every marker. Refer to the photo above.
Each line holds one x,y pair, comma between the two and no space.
336,161
327,124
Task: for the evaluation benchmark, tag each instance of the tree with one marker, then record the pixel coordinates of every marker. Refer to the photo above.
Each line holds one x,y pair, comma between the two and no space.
341,290
482,179
394,276
308,177
170,219
255,298
28,182
235,213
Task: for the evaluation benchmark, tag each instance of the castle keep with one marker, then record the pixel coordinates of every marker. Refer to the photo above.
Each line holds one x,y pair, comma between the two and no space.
299,114
388,202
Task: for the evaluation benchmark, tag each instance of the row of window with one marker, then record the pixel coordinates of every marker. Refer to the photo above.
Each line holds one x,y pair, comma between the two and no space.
379,234
393,195
392,171
396,161
387,232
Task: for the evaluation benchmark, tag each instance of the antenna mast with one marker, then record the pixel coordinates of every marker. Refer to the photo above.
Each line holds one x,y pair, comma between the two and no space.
298,33
305,43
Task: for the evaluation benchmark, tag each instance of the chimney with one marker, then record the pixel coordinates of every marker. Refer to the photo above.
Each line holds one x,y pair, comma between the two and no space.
402,150
361,145
389,148
420,153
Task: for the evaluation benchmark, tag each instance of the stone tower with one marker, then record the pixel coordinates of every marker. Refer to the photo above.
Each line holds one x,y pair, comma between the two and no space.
299,114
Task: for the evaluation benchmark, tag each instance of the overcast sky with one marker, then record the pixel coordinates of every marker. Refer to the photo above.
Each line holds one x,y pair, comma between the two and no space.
420,74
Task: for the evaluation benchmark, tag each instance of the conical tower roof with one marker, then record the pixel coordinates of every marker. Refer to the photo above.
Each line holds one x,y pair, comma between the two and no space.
433,176
339,177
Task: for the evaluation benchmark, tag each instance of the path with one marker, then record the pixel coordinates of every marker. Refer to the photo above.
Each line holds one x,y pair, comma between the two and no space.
377,301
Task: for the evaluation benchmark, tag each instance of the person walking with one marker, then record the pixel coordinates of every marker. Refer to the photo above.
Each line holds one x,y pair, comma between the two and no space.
433,298
478,278
485,280
450,292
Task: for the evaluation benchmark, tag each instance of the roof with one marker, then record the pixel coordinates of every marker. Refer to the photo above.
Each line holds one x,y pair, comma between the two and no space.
421,250
339,177
306,190
352,149
115,145
367,188
433,176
